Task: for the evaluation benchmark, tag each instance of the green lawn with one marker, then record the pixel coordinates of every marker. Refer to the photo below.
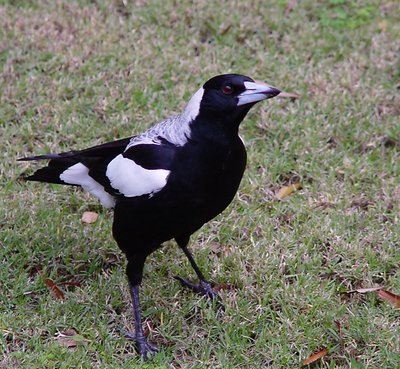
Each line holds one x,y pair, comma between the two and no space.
78,73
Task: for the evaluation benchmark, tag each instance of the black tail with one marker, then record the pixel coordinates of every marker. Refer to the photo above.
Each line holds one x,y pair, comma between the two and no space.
51,174
60,162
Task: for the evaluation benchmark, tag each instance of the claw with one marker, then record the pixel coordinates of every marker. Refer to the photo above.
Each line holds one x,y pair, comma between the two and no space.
144,347
204,289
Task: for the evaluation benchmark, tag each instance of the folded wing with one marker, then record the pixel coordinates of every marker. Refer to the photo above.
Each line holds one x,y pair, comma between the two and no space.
110,171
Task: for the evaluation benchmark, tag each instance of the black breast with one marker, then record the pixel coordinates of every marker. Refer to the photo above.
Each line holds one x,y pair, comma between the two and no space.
203,181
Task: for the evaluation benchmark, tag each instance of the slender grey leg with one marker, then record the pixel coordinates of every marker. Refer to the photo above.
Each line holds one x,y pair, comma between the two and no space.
203,288
144,347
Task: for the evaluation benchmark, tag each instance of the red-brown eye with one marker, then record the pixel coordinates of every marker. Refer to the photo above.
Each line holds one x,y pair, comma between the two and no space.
227,90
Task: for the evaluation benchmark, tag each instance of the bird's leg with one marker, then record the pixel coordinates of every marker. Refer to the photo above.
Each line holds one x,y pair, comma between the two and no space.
204,288
143,346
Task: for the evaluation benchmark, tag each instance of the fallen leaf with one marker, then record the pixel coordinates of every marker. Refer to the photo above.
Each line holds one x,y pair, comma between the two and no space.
390,297
69,343
285,191
89,217
69,332
314,357
215,247
53,288
69,338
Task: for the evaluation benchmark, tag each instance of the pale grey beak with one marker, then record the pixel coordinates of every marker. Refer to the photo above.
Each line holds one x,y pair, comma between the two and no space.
256,91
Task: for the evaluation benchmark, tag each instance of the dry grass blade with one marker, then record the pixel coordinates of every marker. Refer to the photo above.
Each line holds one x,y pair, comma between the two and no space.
148,328
314,357
368,289
54,289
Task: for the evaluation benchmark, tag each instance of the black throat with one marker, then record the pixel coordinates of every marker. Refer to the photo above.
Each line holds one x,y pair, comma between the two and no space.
218,127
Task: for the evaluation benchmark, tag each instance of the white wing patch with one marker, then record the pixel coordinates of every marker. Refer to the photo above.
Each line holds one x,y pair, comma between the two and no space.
78,174
131,180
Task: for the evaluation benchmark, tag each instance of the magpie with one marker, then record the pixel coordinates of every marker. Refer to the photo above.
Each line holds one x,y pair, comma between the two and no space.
168,181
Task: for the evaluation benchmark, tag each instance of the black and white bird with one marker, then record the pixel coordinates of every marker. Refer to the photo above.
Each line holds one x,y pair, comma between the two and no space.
168,181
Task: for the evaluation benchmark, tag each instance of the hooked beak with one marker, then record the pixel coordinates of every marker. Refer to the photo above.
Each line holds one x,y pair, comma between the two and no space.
256,91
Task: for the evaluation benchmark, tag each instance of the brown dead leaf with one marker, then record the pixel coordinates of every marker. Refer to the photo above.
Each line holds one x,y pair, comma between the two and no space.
54,289
390,297
89,217
216,247
285,191
69,338
69,332
314,357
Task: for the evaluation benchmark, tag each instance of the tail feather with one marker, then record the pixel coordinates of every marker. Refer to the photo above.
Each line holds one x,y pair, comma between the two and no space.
62,156
91,157
52,172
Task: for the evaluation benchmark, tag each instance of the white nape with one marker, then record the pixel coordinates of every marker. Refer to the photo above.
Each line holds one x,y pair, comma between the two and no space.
193,107
131,180
78,174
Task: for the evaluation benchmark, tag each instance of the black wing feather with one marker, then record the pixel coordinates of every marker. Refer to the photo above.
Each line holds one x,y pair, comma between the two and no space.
60,162
151,156
148,156
103,150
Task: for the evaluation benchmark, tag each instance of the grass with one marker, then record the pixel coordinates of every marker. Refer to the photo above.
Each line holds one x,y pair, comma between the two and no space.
74,74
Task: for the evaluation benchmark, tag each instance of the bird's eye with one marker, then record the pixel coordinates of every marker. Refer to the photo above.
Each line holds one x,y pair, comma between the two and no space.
227,90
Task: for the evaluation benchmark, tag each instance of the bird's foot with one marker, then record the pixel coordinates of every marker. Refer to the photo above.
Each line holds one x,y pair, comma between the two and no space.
204,289
144,347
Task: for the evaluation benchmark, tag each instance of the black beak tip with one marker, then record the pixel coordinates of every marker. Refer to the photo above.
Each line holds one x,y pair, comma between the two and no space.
274,92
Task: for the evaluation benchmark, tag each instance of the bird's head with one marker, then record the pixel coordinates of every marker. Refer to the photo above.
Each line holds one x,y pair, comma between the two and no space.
228,97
